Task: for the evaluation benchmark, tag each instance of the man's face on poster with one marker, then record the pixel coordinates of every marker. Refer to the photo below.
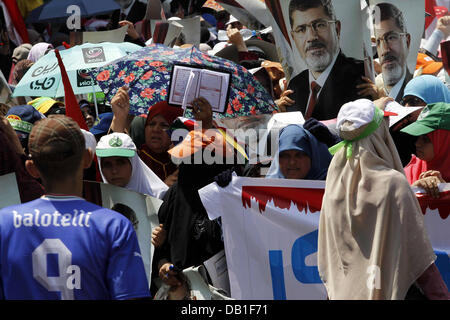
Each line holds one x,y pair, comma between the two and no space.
316,37
393,47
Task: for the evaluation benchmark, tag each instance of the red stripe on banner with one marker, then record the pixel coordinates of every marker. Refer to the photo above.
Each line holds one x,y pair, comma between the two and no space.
303,198
442,203
306,198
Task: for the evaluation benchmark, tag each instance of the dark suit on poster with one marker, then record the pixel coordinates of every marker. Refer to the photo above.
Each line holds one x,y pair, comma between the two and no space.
136,14
408,77
339,88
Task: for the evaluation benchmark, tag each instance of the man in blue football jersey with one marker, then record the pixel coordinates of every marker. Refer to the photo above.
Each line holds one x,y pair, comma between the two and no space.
60,246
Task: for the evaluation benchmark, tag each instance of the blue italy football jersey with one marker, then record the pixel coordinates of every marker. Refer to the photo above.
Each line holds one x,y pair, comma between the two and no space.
67,248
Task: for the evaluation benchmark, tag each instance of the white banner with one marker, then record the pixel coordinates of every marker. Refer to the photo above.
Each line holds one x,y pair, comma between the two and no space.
270,231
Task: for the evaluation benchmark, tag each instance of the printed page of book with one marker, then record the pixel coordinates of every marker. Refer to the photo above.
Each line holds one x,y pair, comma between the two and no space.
179,83
214,88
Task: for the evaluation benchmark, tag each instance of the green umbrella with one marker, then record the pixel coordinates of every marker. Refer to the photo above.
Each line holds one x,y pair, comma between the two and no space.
44,77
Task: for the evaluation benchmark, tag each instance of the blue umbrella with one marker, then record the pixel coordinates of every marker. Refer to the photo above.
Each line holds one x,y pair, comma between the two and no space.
56,10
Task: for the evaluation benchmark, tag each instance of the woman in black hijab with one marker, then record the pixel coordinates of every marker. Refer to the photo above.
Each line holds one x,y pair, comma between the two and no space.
191,237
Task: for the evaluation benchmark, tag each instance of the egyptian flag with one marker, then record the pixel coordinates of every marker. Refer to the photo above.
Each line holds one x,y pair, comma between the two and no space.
72,108
14,17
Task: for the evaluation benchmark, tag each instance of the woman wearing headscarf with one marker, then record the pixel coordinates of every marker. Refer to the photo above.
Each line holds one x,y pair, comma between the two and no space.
191,237
300,156
120,165
20,69
424,90
157,142
39,50
431,163
419,92
372,240
20,53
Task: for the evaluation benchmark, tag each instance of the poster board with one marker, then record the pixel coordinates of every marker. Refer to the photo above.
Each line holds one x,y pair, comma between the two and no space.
350,34
9,191
144,207
115,36
413,19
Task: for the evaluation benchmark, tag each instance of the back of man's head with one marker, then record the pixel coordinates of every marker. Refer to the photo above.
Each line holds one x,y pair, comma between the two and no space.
385,11
56,145
303,5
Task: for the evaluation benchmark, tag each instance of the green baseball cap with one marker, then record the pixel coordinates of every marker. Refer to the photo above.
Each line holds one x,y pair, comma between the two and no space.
433,116
116,145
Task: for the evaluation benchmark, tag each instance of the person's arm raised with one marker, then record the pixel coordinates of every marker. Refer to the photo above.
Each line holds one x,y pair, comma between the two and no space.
120,105
203,112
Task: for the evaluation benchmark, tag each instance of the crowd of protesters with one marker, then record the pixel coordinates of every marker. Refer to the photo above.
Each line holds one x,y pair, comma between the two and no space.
51,156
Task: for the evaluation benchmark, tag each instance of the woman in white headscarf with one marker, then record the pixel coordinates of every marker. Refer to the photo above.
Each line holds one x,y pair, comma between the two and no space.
39,50
120,165
372,240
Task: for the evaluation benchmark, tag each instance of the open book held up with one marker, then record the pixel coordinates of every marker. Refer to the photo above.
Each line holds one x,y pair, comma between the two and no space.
189,83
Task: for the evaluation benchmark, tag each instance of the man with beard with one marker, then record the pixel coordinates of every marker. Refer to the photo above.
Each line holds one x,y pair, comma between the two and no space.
393,42
331,78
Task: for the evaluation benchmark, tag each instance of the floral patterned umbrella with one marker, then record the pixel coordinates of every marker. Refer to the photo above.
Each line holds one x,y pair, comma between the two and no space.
147,73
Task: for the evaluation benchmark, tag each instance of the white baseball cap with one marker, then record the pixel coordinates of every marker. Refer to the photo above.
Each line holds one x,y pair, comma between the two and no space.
116,144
